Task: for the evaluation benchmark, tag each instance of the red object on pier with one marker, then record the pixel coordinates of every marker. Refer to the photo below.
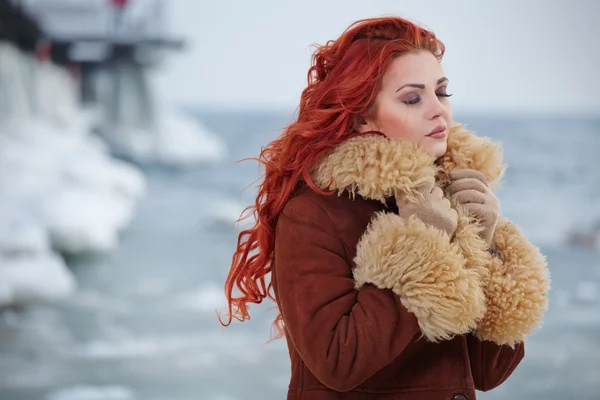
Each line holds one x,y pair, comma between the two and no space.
119,3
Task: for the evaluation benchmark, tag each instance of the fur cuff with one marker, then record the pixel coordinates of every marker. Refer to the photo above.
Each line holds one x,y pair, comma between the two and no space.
517,290
472,247
427,271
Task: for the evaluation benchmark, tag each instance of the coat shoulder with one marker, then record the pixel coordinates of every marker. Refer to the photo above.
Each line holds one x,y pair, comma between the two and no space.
346,212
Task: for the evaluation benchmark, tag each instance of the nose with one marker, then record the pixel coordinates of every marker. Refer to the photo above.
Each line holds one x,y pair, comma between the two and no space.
436,109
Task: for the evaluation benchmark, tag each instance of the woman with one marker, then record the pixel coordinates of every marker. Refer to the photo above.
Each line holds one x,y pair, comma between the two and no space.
393,272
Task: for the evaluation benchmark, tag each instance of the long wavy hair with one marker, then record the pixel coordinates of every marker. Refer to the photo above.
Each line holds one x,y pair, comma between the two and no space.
343,82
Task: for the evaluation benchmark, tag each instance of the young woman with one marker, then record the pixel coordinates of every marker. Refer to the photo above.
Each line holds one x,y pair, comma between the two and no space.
394,274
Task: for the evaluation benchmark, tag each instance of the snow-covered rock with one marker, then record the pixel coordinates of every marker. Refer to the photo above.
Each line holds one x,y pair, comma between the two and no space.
34,277
60,189
29,270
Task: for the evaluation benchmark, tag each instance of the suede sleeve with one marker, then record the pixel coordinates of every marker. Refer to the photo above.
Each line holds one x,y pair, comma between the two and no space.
343,335
491,363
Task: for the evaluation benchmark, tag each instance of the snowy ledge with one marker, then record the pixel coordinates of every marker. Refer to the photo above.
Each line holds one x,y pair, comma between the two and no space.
61,190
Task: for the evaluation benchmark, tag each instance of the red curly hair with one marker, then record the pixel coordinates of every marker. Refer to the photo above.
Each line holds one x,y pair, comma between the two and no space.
343,82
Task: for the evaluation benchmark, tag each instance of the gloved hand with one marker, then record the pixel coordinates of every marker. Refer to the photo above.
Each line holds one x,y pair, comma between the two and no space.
431,207
470,189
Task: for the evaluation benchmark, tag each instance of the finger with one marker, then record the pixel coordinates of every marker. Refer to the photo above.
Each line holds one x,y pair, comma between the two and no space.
446,203
470,196
460,173
425,186
437,193
453,213
478,210
466,184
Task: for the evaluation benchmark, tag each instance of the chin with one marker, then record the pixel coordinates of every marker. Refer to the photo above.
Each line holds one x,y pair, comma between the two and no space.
438,149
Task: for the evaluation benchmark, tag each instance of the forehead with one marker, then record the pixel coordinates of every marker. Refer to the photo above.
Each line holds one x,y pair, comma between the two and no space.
414,67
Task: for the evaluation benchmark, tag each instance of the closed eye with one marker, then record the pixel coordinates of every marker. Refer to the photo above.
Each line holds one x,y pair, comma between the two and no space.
417,99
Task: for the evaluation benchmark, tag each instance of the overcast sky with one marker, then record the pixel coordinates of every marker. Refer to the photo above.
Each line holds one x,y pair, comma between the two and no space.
502,56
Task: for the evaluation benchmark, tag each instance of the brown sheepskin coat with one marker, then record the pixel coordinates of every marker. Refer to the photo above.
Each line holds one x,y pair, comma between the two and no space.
378,307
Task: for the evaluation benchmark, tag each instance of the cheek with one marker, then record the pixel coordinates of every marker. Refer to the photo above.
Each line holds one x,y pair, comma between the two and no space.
397,124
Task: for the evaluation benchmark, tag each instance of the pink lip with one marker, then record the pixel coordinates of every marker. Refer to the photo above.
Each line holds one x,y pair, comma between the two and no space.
438,133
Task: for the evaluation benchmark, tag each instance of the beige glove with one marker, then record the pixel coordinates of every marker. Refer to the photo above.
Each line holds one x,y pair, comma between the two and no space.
470,189
431,207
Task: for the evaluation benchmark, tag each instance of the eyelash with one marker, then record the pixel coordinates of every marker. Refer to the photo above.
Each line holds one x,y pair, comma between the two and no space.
417,100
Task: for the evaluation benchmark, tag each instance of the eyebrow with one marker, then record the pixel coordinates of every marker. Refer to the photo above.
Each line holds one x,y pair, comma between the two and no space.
419,85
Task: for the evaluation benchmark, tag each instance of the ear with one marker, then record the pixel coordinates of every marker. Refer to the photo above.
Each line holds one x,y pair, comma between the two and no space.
365,124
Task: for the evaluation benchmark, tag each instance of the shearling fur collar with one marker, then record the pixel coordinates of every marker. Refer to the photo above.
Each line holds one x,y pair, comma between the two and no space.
377,168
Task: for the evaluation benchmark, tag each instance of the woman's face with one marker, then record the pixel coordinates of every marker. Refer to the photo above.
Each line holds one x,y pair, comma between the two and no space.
412,103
